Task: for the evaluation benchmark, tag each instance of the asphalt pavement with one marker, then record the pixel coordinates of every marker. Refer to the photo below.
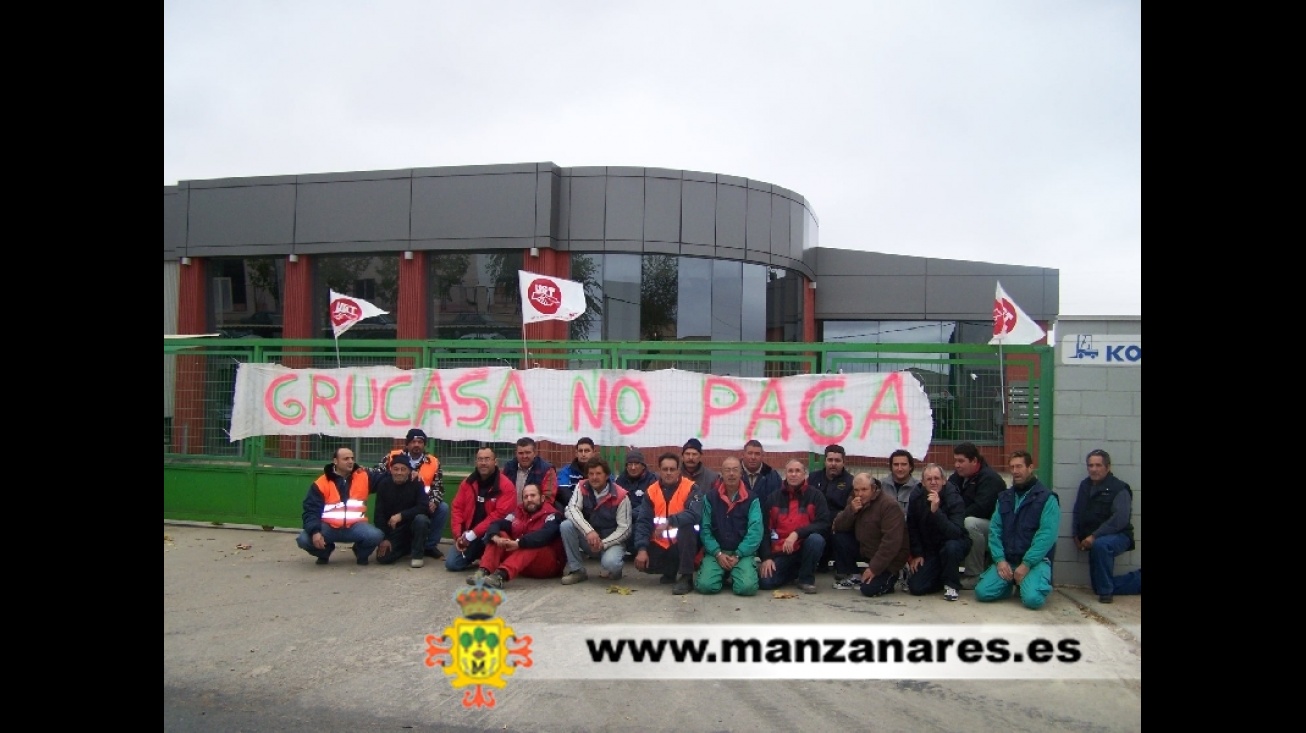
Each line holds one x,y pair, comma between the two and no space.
256,637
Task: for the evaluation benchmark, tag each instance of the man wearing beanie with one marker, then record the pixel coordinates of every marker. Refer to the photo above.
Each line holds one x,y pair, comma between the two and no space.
426,468
635,479
692,468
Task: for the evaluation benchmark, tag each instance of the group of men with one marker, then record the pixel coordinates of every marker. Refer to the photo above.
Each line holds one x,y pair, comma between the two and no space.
748,527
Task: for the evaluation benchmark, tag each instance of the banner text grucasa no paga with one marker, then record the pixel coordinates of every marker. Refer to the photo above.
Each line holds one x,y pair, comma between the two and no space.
869,414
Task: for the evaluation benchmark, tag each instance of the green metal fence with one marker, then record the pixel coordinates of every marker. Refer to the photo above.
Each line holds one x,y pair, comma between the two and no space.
977,393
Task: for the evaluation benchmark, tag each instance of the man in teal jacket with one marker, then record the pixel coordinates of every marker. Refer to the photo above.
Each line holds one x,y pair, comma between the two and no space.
1022,538
731,533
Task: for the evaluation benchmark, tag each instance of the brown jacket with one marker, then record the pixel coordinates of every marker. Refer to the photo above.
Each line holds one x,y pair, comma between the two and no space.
881,531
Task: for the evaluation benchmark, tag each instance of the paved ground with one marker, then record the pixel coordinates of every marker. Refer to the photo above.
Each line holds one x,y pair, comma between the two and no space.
261,639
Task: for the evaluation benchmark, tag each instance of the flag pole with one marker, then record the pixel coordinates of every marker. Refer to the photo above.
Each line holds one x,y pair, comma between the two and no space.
525,355
1002,382
337,340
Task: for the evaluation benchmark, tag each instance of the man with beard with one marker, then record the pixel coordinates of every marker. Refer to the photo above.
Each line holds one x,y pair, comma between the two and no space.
937,533
527,543
529,468
666,530
404,512
484,497
335,510
1022,538
597,524
571,475
795,518
760,478
692,468
836,485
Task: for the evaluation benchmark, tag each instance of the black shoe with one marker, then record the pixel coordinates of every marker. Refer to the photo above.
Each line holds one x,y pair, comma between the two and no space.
683,586
1104,599
435,554
323,560
666,580
362,561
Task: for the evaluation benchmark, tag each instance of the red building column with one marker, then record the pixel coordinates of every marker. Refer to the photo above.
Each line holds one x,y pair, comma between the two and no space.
297,323
192,318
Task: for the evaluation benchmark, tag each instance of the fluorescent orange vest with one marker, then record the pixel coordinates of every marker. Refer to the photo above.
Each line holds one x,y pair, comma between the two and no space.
661,510
426,470
337,513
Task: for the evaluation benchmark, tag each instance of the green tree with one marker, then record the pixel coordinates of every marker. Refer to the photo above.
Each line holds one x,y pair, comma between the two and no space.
658,297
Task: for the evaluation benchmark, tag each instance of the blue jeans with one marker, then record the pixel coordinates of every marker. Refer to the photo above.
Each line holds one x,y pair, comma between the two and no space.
801,564
364,536
611,559
1101,565
455,561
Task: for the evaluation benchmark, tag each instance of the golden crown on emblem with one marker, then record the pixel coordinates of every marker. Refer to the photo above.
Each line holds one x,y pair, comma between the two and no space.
479,602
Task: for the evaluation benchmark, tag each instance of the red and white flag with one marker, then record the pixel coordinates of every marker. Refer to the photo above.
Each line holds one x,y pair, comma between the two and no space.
1010,324
546,298
345,311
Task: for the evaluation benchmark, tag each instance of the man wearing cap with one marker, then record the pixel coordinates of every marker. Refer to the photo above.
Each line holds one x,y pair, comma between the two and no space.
692,468
731,533
571,475
666,530
484,497
529,468
635,480
597,525
760,478
335,510
426,468
794,519
425,465
404,513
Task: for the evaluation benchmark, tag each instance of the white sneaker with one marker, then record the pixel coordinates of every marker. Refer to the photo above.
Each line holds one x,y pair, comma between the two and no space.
852,582
417,561
950,593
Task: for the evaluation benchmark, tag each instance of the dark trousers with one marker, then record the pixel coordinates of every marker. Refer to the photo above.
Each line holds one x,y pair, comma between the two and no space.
847,551
939,569
675,560
800,565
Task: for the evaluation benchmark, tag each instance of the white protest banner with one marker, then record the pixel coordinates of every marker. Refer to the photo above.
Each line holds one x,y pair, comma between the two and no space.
869,414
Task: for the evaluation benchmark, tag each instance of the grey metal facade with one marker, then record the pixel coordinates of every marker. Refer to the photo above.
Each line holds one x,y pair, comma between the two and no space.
582,209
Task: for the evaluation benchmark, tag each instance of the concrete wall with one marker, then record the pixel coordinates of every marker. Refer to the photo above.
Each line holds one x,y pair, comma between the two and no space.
1096,406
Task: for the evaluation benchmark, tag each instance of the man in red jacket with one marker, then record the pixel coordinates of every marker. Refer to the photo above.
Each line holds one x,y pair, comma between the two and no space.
527,544
483,498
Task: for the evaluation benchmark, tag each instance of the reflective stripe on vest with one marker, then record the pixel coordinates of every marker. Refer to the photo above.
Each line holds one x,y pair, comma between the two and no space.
337,513
661,511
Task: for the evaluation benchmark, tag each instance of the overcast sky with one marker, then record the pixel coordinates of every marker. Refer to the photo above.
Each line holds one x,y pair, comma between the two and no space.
1004,131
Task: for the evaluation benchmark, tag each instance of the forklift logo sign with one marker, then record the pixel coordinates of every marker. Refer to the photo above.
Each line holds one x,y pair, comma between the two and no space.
1102,350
